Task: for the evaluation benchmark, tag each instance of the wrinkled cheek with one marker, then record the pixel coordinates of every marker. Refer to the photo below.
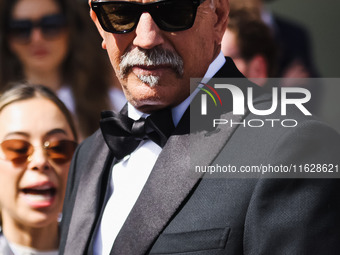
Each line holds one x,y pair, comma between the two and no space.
116,46
115,61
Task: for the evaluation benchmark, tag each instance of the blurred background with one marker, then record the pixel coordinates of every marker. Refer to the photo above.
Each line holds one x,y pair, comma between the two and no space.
321,19
314,42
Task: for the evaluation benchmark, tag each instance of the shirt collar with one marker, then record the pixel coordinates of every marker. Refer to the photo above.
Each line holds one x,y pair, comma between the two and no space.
178,111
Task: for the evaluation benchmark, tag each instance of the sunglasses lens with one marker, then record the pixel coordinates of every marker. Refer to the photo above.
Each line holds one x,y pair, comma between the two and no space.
122,17
118,17
61,152
175,15
16,150
52,26
20,30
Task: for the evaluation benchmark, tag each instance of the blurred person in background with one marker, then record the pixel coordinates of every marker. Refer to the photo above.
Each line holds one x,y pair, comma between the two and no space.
37,141
53,42
294,55
249,42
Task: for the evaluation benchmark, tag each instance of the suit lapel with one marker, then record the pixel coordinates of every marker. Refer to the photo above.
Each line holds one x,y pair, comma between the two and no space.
89,196
229,70
171,181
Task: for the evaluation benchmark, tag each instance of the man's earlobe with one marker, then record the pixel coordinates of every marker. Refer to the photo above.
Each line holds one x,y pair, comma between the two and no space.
104,44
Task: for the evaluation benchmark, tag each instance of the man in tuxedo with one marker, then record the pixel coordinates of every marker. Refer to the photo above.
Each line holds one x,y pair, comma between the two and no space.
132,188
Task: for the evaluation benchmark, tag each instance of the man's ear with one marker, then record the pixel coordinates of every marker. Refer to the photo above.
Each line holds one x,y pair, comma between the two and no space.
94,18
222,13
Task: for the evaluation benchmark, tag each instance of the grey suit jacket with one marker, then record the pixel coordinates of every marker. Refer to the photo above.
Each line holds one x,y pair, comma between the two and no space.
178,212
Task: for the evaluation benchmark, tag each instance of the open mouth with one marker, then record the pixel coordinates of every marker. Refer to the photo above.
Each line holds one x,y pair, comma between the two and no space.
40,195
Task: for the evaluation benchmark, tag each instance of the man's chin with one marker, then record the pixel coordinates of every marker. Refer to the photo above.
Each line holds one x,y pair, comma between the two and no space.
150,80
147,105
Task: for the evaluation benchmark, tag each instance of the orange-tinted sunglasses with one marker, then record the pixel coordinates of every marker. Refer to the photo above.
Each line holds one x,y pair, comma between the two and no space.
19,151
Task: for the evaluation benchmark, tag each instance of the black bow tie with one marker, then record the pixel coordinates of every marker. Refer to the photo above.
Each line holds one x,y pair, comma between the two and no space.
123,134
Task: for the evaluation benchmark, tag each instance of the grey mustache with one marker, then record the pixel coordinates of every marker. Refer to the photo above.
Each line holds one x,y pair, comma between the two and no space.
151,57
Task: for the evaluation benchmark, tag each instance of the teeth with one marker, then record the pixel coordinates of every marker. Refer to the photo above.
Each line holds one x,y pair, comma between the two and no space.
38,197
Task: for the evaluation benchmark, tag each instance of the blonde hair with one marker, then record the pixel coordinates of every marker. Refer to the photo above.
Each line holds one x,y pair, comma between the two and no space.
22,91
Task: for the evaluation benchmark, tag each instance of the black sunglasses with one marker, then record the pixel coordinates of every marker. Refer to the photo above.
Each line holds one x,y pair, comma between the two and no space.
122,17
51,27
19,151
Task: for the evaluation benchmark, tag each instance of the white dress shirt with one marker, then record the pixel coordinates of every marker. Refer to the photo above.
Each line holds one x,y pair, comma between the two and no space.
131,173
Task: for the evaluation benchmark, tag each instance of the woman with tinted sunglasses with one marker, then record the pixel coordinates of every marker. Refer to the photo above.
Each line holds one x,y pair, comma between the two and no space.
54,43
37,141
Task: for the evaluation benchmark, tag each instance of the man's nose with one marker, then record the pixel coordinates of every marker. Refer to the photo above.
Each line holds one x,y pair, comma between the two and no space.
148,34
